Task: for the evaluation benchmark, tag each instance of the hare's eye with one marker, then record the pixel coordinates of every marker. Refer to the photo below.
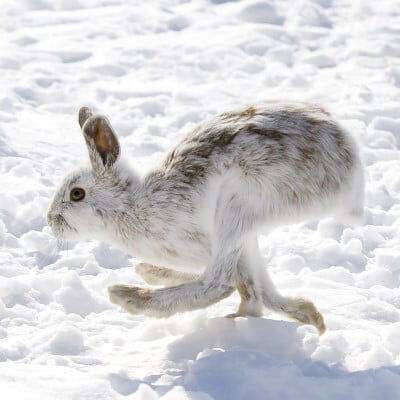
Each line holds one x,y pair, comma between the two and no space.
77,194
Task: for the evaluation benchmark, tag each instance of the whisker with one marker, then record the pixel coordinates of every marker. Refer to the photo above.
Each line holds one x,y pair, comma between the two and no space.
61,244
53,253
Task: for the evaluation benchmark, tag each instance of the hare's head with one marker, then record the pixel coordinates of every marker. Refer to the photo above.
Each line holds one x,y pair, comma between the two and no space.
90,197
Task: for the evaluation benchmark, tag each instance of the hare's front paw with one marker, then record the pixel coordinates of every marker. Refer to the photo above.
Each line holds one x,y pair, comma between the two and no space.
133,299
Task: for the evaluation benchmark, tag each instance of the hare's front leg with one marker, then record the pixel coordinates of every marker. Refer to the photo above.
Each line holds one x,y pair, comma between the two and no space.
163,276
217,282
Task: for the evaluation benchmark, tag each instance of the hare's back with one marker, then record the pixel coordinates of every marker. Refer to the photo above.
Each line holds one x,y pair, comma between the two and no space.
296,157
286,144
296,139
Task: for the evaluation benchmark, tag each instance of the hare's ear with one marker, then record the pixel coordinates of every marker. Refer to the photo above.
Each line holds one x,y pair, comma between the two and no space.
100,138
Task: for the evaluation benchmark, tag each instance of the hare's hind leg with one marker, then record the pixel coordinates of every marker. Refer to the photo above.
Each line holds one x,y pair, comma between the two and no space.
299,309
247,284
163,276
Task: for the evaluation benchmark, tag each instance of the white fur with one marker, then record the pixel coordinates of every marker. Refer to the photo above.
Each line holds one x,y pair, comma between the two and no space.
210,230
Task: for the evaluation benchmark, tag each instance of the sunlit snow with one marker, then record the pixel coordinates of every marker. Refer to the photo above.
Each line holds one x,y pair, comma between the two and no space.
156,68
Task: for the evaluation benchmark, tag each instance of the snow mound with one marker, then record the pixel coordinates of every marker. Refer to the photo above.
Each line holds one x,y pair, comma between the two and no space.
78,299
67,340
262,13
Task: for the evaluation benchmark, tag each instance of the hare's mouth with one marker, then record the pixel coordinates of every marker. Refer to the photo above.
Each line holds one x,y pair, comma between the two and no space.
59,226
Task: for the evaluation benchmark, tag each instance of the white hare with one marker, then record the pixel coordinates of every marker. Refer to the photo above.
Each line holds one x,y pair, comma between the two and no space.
194,220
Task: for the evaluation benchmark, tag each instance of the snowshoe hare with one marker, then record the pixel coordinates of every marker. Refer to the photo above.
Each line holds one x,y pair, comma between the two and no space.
194,220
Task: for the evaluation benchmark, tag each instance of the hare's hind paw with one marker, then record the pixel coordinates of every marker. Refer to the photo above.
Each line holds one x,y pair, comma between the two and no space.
305,311
133,299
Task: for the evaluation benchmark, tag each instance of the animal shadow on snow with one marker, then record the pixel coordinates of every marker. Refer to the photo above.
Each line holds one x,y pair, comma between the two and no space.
257,358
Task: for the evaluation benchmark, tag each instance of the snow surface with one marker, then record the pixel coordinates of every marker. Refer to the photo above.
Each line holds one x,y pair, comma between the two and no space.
156,68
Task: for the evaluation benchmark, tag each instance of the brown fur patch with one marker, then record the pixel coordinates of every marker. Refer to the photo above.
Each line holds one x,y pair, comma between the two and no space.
190,159
305,312
236,116
163,276
130,297
170,252
272,134
243,291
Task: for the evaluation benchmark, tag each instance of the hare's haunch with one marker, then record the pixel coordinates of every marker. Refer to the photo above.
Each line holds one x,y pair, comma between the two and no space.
193,221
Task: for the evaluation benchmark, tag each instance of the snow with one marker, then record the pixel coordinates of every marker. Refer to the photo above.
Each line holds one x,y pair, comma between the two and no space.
156,69
67,340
